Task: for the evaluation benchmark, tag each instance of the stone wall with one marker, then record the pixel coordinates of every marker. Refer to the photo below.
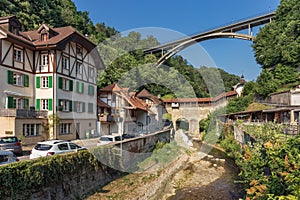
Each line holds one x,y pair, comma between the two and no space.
89,180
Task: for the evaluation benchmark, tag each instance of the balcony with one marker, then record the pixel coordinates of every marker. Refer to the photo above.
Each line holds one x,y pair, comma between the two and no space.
107,119
20,113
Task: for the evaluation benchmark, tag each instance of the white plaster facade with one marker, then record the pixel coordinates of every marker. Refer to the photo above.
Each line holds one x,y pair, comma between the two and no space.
44,76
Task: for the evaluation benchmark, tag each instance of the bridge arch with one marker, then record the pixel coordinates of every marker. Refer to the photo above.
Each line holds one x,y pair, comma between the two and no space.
194,40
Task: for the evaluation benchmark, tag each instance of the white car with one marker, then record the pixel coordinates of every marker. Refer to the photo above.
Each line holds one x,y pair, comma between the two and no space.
107,139
52,147
7,156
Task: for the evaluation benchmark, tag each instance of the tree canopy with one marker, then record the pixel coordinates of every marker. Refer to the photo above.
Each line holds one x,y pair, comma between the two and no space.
55,13
279,41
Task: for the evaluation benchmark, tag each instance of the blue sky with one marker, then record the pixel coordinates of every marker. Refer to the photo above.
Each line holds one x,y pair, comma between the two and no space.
188,17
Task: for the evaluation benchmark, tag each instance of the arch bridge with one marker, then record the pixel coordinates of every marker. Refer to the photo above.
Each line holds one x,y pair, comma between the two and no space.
195,109
167,50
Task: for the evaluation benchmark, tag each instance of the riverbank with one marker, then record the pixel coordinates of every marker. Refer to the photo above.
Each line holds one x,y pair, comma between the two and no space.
192,175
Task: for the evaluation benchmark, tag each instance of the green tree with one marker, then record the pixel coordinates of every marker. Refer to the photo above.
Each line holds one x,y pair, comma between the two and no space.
278,42
267,83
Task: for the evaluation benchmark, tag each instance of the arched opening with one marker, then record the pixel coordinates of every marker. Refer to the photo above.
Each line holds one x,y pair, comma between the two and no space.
182,124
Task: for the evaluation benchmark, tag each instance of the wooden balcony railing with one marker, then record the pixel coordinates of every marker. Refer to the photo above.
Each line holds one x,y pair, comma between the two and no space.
107,118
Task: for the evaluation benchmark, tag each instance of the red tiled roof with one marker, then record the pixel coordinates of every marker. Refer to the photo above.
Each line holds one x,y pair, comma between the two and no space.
146,94
110,88
60,37
201,100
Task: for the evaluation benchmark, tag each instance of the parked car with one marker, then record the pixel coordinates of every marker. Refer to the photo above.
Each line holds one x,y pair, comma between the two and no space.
107,139
127,136
7,156
11,143
52,147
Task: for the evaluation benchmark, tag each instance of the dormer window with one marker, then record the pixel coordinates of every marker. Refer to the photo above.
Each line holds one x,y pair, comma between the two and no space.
44,36
14,30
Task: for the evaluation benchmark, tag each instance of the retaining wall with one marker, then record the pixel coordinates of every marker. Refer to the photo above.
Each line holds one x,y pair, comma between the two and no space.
131,152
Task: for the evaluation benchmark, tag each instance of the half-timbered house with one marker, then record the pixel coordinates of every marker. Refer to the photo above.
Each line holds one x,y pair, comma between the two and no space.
48,82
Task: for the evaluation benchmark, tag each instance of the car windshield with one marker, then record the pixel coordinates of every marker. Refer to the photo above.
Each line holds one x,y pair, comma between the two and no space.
106,139
8,140
43,147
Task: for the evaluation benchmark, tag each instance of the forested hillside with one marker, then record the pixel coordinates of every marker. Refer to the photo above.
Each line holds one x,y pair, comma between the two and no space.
118,53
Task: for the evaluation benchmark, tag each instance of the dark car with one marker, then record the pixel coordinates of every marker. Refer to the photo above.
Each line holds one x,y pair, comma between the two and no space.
127,136
11,143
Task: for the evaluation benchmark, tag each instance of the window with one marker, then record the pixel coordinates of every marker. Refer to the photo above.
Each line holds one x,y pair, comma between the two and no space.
91,90
18,55
65,84
78,68
91,72
44,37
18,79
65,105
15,30
63,146
18,103
79,106
65,128
44,103
44,59
15,78
80,87
74,146
90,107
78,50
65,63
45,81
31,129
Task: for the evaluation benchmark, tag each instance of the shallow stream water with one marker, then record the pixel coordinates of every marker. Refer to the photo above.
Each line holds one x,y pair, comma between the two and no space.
205,177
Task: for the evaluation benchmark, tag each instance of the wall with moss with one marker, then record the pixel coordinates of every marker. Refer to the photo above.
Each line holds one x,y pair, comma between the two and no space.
72,175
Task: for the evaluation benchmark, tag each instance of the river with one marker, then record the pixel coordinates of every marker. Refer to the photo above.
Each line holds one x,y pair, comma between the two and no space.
198,176
205,177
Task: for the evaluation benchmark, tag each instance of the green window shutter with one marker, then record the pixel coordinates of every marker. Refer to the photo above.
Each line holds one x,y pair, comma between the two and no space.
70,85
10,102
91,90
37,104
79,87
26,104
83,107
38,82
74,106
50,104
90,107
26,80
70,106
50,82
10,77
82,87
60,82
